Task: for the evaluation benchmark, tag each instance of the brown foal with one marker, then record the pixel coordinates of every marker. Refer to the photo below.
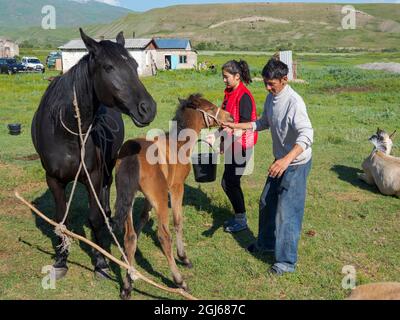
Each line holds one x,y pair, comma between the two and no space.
136,173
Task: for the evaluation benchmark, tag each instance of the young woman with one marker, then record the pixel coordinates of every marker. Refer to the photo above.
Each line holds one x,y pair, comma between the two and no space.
239,102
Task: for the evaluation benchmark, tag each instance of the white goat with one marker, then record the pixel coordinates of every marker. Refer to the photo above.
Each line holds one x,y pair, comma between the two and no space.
380,168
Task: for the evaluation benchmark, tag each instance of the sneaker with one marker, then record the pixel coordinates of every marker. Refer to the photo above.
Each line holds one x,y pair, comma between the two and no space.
229,222
253,248
276,271
236,226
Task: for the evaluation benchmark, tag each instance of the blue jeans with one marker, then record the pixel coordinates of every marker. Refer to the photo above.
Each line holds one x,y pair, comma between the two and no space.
281,215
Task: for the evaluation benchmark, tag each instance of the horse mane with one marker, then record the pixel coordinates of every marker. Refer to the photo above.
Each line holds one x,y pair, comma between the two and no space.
59,94
192,102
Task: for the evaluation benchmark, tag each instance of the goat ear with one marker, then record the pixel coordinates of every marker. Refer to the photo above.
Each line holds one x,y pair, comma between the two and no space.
121,39
181,101
393,134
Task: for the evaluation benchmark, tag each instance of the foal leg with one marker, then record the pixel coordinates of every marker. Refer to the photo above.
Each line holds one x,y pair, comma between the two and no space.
130,243
58,190
176,200
145,216
164,236
157,194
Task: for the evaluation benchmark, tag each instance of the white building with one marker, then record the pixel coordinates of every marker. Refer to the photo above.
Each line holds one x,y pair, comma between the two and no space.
150,54
8,48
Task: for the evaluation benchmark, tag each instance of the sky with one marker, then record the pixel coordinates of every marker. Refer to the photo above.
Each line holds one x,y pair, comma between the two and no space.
144,5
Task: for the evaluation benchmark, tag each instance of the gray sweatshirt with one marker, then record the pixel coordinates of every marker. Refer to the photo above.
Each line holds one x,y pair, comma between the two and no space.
286,115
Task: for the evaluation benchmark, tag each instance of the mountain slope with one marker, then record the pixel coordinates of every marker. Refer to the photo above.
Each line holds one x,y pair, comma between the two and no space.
28,13
266,26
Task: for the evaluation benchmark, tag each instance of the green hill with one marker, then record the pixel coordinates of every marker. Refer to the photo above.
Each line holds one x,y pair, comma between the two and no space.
251,26
28,13
266,26
21,20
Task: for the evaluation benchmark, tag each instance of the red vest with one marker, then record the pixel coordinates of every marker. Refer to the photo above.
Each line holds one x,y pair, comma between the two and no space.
232,105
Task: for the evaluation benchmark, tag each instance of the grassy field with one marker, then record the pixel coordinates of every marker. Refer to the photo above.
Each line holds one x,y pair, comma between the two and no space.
346,222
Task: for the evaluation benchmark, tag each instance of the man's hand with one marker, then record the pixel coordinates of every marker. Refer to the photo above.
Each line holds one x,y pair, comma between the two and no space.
278,168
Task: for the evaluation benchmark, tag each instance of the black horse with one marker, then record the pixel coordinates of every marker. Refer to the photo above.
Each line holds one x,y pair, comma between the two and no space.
106,84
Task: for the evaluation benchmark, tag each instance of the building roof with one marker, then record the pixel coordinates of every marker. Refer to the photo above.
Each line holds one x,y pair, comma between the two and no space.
78,44
162,43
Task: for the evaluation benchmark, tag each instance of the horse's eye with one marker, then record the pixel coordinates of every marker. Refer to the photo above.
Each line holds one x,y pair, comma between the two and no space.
108,68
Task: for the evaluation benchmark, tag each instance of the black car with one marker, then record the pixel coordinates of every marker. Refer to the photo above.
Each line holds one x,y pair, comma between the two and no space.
11,66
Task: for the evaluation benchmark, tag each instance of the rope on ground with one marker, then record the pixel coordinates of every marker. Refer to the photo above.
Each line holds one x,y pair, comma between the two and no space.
137,274
66,235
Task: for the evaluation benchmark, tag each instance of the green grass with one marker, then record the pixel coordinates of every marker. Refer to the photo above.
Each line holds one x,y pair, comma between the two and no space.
353,223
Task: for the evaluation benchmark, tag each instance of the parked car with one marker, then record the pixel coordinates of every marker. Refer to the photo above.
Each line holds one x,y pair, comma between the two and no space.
52,58
33,64
11,66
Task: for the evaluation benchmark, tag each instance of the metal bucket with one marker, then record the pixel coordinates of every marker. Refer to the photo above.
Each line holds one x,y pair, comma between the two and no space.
205,165
14,129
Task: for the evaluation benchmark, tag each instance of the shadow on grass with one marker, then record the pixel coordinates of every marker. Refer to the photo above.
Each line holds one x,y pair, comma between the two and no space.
76,220
350,175
198,199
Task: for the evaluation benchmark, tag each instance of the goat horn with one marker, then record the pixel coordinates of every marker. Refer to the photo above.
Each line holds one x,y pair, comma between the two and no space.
392,135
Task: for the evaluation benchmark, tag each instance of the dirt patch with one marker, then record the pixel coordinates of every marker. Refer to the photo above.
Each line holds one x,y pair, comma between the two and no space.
384,66
337,90
249,19
31,157
351,196
390,26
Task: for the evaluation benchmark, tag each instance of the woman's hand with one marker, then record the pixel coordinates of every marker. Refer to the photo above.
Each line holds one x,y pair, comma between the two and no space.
229,125
211,138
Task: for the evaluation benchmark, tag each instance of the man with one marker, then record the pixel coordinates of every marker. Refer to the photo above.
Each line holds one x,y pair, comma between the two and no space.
283,198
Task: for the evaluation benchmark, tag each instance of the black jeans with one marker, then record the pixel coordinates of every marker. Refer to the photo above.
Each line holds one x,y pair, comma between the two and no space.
231,181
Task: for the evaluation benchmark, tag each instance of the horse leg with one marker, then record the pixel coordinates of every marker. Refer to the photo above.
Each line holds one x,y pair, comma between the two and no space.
58,190
105,194
98,226
145,216
176,201
130,243
164,236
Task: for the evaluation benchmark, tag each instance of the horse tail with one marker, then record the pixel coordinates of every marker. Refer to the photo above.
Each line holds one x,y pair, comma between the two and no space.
127,182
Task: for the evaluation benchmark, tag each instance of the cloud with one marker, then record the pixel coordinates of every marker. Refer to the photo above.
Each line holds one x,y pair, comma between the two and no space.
110,2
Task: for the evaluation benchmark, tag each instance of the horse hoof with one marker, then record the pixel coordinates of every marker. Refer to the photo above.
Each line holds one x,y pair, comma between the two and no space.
188,264
60,272
103,274
184,286
125,294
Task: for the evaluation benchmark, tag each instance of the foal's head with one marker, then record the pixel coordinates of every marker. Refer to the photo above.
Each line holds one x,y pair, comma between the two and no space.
382,141
200,113
116,80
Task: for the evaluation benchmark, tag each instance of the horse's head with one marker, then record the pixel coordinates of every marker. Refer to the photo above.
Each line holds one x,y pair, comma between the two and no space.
382,141
116,80
208,113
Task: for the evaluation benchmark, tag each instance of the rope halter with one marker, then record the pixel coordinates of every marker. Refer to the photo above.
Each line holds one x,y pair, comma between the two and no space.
207,116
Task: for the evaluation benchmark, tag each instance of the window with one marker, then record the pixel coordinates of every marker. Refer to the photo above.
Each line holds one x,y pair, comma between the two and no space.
182,59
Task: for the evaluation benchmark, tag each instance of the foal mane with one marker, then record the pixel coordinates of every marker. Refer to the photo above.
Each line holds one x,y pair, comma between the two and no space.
193,102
